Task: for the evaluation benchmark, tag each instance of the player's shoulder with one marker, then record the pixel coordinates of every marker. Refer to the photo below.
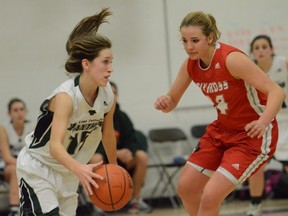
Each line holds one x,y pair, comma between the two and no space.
69,86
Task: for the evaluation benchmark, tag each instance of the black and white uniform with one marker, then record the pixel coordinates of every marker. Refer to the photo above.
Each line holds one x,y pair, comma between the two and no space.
39,173
16,142
279,74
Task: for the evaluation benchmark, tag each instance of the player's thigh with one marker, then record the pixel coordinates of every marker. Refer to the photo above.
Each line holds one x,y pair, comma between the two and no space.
191,179
68,205
217,188
38,197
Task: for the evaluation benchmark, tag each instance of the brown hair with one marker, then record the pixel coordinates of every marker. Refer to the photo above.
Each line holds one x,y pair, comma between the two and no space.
85,43
15,100
265,37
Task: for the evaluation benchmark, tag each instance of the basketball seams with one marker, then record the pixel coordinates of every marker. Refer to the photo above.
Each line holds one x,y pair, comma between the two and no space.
116,187
109,188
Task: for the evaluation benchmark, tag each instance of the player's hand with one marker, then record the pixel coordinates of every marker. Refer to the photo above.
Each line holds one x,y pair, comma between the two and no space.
163,102
87,176
255,129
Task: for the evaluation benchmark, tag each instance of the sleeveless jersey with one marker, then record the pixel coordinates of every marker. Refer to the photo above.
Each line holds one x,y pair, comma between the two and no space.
16,142
84,131
279,74
237,103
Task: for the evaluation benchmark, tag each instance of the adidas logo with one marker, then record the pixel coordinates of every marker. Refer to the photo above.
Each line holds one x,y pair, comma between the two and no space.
217,66
236,166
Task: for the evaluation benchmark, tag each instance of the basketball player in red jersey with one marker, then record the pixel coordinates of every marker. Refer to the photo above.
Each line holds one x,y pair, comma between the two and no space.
245,134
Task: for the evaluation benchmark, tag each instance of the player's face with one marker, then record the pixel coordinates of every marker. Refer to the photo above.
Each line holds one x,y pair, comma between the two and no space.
17,112
261,50
195,43
100,68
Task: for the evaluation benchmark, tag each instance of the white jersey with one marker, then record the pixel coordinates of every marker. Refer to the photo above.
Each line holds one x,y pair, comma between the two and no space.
84,131
16,142
279,74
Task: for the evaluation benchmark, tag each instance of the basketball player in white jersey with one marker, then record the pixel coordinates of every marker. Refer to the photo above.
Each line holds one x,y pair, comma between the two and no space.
12,134
73,119
276,67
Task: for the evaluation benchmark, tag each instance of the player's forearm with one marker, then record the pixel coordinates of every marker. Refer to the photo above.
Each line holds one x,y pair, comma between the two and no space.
60,154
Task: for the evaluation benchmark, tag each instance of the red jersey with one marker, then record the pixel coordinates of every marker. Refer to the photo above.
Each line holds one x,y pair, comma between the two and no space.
237,102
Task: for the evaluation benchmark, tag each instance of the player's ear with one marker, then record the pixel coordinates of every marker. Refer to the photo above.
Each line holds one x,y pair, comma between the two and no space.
210,38
85,64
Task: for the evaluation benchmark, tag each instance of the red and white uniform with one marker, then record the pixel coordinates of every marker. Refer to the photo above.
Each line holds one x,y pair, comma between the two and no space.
225,146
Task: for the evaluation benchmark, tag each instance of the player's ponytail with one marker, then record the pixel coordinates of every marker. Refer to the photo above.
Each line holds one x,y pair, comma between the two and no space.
84,42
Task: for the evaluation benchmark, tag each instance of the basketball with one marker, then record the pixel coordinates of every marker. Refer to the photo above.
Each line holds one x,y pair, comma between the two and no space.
115,190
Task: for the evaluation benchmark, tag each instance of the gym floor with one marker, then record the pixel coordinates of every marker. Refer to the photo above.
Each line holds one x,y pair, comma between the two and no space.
233,208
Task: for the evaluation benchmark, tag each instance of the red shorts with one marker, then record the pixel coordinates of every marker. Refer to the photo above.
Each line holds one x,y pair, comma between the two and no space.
232,152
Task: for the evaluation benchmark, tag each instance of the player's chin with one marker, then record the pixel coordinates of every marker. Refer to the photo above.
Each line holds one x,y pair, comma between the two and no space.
103,83
193,57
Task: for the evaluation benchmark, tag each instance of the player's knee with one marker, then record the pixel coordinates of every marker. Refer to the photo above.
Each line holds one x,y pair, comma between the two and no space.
96,158
141,156
208,202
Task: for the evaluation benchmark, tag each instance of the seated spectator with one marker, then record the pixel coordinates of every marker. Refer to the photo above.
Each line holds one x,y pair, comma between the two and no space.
12,135
131,154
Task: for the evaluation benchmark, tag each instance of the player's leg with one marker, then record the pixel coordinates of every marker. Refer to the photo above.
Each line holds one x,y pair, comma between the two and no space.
11,178
215,191
256,188
203,161
190,187
138,166
36,184
67,194
96,158
37,202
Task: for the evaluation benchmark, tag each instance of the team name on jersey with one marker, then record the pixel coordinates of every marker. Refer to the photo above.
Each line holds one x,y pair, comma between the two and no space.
213,87
86,125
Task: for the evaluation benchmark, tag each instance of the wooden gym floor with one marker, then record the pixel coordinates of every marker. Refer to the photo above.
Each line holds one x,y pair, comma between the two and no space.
271,207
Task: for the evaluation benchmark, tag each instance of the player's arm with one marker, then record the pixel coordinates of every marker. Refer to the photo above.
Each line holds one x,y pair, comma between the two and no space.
240,66
4,147
168,102
108,135
62,106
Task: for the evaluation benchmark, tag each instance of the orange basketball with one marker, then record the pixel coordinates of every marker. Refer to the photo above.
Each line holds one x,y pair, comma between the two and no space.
116,189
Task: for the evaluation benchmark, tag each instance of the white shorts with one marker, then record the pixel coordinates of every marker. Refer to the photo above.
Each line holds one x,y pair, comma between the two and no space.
44,191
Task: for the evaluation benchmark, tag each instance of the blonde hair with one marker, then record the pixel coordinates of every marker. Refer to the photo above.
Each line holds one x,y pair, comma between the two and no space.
206,21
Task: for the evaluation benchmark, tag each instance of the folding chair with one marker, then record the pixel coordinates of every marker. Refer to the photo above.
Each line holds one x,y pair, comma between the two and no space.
168,152
4,190
197,131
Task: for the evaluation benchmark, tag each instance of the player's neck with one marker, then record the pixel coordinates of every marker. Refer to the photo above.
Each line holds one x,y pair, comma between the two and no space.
265,65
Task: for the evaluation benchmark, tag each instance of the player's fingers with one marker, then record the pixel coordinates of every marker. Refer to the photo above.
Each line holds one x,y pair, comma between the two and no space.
97,176
260,134
255,132
88,189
